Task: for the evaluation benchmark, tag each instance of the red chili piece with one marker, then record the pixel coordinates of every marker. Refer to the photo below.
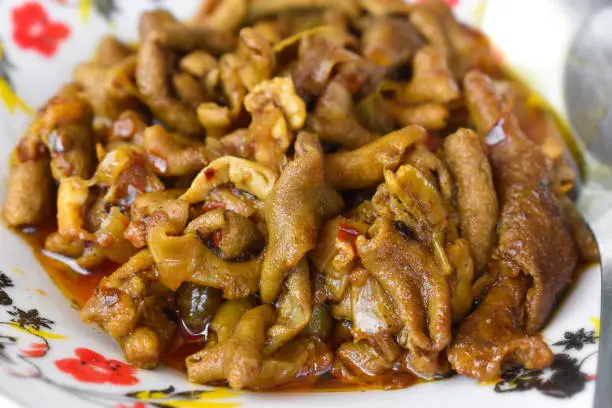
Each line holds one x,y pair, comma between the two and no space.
209,173
347,233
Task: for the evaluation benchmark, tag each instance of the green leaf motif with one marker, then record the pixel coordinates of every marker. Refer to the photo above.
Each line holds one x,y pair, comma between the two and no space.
106,8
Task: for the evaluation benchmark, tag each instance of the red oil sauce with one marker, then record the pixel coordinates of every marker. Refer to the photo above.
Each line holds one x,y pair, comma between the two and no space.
76,283
176,358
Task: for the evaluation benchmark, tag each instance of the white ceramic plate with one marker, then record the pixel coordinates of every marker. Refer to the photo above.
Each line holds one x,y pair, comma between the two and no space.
49,358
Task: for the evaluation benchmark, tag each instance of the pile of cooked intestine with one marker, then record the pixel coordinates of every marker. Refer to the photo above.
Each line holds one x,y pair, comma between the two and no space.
308,189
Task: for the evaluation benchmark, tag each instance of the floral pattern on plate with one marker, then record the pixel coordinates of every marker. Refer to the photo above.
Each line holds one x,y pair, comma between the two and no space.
87,367
46,354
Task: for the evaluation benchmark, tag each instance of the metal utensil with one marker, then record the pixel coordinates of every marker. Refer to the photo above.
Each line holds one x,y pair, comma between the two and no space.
588,95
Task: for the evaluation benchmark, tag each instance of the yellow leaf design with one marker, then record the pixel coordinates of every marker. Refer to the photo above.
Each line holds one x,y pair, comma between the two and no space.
12,101
479,13
40,333
84,10
200,404
149,395
219,393
597,324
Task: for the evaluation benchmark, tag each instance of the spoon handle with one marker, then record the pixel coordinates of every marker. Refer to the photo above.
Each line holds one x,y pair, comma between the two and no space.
603,388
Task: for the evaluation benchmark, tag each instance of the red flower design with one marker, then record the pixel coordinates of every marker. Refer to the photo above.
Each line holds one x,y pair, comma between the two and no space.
32,29
35,350
136,405
92,367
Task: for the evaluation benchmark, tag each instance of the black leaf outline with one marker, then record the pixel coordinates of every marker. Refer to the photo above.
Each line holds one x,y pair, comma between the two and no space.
4,340
576,340
5,299
5,281
563,379
166,392
30,318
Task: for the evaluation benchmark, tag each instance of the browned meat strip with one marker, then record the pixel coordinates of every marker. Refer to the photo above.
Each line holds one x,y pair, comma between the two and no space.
147,342
294,309
389,41
117,303
431,116
432,80
189,90
299,201
181,37
29,196
364,167
464,47
320,55
418,287
533,238
238,359
66,130
155,89
494,334
62,132
111,51
147,204
476,197
109,90
238,236
334,119
515,160
172,154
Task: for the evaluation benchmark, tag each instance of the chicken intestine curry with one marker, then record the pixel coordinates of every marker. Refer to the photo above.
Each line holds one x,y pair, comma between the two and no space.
302,190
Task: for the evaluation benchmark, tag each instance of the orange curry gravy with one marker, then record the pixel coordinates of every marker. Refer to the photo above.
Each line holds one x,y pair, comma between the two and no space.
76,283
